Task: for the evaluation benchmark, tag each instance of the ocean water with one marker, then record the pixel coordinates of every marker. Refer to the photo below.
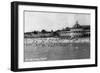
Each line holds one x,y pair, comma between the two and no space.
55,49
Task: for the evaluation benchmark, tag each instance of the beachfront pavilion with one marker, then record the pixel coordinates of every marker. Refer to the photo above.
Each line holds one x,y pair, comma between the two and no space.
78,31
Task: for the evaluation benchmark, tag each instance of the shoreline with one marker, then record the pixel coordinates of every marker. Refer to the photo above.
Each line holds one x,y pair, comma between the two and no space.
54,40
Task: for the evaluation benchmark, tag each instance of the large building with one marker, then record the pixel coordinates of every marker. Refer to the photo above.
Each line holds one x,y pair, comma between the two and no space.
65,33
79,31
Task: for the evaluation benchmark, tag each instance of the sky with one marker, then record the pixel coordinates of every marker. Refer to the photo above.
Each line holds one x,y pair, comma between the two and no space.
37,21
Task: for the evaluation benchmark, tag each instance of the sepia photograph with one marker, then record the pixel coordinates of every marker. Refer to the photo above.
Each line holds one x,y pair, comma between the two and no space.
56,36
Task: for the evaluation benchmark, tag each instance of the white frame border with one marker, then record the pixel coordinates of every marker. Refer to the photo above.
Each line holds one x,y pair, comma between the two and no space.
22,64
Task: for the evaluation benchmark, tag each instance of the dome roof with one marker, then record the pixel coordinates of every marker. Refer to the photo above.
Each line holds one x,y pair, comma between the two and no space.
76,25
